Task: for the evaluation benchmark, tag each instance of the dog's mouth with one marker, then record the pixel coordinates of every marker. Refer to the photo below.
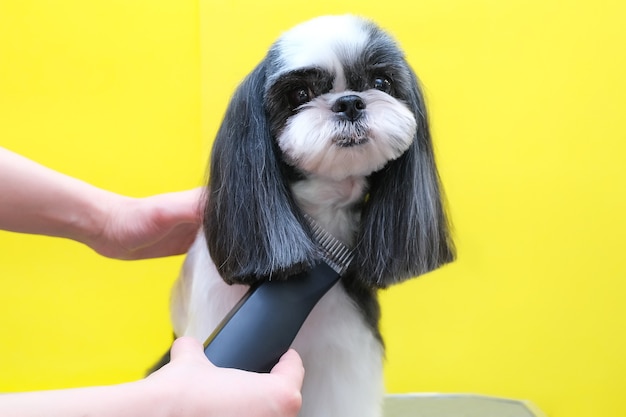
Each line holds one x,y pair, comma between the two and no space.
350,141
350,135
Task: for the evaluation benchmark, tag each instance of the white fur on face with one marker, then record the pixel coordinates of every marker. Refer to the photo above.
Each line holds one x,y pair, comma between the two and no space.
384,132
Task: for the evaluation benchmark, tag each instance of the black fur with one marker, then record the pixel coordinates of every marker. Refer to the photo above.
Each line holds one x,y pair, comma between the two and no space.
252,225
404,230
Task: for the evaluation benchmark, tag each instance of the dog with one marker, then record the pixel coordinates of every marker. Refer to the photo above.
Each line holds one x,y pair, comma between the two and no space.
332,124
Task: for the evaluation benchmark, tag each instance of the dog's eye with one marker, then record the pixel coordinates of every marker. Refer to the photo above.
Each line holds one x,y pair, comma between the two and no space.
299,96
383,84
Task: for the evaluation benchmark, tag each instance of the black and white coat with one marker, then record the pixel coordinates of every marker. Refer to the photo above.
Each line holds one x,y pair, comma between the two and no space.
331,123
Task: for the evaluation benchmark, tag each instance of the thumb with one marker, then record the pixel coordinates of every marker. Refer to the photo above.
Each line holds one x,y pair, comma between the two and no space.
290,367
186,347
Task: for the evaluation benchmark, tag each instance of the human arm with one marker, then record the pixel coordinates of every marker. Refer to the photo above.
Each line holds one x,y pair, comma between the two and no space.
39,200
189,386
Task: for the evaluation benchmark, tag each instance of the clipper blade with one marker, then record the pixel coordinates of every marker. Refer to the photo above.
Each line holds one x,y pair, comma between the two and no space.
335,253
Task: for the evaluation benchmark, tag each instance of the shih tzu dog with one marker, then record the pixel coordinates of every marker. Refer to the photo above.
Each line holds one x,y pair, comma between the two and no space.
331,124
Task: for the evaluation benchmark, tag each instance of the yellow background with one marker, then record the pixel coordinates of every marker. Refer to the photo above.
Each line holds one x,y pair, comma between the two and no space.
527,102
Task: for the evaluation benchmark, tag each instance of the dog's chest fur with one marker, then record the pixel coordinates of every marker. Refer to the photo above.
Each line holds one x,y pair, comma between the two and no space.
339,342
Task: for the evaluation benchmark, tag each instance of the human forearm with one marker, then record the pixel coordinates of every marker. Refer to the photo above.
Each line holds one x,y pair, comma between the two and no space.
126,400
36,199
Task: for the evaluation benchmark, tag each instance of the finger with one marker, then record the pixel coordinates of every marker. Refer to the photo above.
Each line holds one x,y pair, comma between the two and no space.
199,196
175,242
182,206
185,347
290,366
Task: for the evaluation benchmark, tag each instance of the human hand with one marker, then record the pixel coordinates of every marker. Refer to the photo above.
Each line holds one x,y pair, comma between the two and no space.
189,386
150,227
193,386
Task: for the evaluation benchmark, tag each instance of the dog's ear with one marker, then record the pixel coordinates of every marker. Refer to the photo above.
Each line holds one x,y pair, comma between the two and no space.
251,223
404,230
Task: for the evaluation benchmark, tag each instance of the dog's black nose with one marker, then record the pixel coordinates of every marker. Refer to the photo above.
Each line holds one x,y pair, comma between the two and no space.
351,107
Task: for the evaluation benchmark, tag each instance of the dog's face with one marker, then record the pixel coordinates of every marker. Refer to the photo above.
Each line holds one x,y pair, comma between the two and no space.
336,96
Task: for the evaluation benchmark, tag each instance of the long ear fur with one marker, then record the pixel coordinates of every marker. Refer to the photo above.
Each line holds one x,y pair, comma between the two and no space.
404,230
251,223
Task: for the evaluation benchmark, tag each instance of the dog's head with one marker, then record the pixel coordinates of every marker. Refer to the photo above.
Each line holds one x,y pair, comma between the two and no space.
334,97
337,94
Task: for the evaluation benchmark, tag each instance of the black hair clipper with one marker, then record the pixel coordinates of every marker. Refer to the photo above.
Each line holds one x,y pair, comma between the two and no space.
263,324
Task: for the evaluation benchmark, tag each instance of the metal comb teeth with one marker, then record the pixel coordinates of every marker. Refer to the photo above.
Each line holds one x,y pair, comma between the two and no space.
335,253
